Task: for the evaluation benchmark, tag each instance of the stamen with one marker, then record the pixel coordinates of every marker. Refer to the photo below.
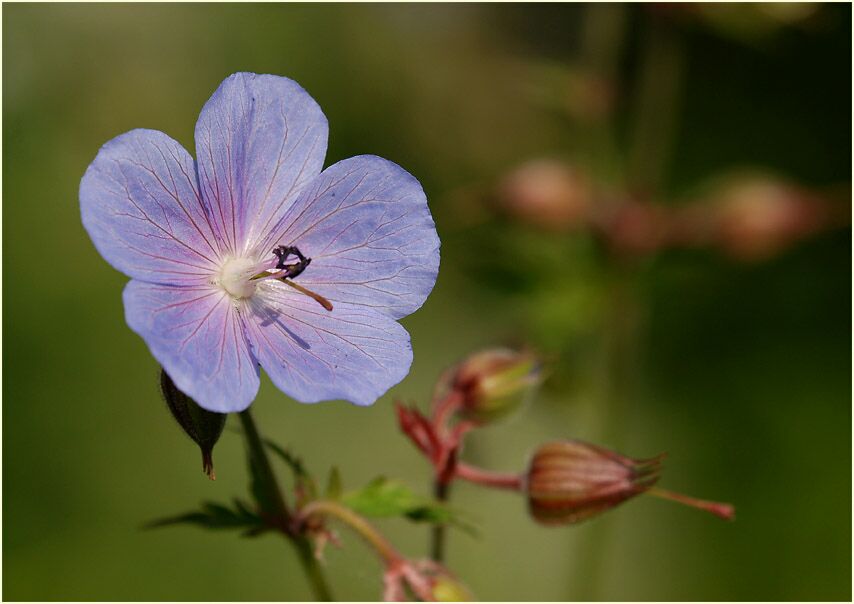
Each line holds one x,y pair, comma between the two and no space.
317,297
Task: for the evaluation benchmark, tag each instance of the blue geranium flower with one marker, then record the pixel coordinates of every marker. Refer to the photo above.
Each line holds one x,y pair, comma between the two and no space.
230,254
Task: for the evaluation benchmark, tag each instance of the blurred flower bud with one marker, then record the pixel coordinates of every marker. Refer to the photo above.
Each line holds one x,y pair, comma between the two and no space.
494,382
445,587
428,581
570,481
201,425
757,217
546,193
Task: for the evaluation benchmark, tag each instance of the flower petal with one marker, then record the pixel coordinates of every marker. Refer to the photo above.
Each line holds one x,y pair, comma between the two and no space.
259,139
352,353
197,336
366,225
141,207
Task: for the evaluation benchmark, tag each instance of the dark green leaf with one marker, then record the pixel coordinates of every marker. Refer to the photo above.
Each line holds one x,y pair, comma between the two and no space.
217,516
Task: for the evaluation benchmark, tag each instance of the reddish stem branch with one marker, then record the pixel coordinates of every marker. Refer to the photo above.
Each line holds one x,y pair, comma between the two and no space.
498,480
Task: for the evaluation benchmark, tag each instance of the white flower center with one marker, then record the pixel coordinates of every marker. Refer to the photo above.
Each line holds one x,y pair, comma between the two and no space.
234,277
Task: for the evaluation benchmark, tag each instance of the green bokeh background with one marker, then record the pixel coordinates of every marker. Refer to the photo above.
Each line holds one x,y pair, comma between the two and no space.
742,373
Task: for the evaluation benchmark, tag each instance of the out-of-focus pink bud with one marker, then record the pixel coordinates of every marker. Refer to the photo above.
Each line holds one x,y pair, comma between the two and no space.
546,193
570,481
494,382
757,217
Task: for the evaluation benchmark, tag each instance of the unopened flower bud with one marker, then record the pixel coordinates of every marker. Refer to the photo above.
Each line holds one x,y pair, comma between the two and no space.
546,193
447,588
201,425
494,382
570,481
427,580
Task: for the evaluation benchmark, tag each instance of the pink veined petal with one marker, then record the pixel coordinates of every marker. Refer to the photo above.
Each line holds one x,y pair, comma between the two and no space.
352,353
197,336
141,207
259,140
366,225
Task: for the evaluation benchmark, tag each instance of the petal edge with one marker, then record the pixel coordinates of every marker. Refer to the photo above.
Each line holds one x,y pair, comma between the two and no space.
352,353
366,225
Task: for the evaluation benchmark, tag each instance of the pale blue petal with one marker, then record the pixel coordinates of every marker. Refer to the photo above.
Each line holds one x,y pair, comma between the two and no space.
259,139
366,225
352,353
141,207
197,336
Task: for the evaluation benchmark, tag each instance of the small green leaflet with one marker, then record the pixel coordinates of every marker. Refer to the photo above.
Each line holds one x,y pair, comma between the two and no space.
383,498
333,485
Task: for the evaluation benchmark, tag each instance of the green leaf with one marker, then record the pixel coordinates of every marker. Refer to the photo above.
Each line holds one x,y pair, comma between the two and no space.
382,498
217,516
333,484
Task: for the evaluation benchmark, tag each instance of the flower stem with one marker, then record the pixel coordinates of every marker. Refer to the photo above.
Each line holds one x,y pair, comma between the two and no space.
657,100
266,480
326,507
438,532
261,464
445,408
313,570
442,413
721,510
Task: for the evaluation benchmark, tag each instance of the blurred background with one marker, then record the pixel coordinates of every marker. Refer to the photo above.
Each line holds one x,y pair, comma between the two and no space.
654,197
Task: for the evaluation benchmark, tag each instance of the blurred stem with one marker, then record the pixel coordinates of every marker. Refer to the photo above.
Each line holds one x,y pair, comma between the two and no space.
657,105
282,515
617,374
658,95
602,39
620,350
313,570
